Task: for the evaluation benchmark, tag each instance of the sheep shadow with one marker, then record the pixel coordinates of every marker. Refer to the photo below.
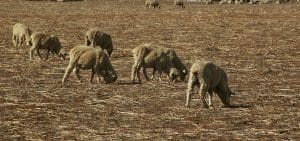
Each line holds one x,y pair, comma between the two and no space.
128,82
235,106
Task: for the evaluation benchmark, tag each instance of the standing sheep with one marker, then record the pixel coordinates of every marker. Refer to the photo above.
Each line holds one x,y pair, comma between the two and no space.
21,34
209,78
179,3
156,57
94,37
85,57
47,42
152,3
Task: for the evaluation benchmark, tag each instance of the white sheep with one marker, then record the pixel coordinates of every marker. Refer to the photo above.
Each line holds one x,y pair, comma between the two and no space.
94,37
86,57
47,42
209,78
152,3
21,34
156,57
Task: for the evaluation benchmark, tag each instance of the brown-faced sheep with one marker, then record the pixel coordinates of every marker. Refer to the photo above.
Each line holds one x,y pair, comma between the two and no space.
21,34
209,78
46,42
94,37
179,3
152,3
159,58
85,57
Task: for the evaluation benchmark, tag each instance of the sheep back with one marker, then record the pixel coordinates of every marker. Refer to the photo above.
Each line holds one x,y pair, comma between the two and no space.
95,37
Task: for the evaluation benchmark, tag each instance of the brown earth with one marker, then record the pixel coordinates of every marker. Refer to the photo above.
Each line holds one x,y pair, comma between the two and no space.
258,45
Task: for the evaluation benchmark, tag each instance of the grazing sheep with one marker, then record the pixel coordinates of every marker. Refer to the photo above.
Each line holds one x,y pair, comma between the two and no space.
94,37
177,63
209,78
179,3
21,34
46,42
159,58
85,57
152,3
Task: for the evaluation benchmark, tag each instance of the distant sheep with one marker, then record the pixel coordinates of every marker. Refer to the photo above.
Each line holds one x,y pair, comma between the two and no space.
179,3
209,78
156,57
152,3
85,57
94,37
21,34
46,42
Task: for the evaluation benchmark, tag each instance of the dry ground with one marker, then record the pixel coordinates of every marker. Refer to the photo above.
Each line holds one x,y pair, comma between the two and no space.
258,45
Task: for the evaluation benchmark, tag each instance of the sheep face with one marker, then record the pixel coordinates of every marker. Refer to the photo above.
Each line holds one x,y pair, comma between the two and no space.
182,71
182,74
62,54
174,73
109,75
108,72
110,50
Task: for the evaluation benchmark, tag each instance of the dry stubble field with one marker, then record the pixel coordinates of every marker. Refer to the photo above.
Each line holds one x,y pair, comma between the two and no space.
258,45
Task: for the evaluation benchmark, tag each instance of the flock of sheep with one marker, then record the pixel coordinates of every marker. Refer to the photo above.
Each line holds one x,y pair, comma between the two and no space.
95,55
181,3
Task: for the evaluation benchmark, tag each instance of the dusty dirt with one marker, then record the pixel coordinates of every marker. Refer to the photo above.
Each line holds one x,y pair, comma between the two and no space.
258,45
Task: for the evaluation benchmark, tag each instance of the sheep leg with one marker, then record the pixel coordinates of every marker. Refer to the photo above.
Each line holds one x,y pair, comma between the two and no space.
189,90
38,53
192,82
93,43
136,72
203,92
17,42
210,96
159,69
32,49
99,77
14,40
145,74
159,75
133,72
68,71
87,41
22,40
92,75
153,73
76,72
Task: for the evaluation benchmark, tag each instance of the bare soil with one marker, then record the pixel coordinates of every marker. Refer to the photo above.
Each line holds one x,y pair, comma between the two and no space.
258,46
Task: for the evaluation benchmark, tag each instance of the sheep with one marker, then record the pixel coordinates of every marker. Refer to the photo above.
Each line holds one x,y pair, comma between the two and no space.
86,57
179,3
21,34
152,3
159,58
177,63
94,37
47,42
208,78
